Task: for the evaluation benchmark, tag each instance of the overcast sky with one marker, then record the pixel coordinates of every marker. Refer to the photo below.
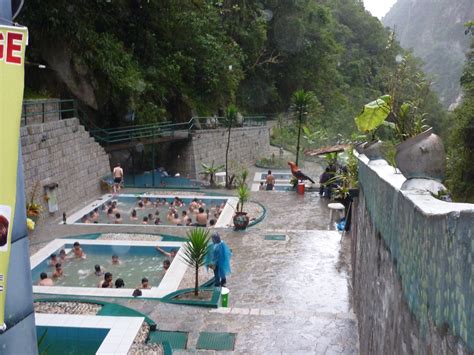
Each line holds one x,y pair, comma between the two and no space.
379,8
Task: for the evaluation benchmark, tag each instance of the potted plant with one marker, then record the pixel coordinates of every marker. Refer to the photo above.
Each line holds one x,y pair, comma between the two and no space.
421,153
241,220
33,208
211,170
368,121
196,249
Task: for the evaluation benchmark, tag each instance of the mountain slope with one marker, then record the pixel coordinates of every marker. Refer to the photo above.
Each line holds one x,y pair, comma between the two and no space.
435,31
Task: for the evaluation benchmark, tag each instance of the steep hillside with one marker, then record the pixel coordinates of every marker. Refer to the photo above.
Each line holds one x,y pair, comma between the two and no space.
435,31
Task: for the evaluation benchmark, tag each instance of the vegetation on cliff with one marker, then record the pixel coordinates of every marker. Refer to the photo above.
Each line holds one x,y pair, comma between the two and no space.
168,60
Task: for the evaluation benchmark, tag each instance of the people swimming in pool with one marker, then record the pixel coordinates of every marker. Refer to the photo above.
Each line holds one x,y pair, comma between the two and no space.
201,218
62,255
118,219
45,280
98,270
58,271
166,264
119,283
78,252
171,254
116,260
186,219
133,215
53,259
145,220
107,281
145,284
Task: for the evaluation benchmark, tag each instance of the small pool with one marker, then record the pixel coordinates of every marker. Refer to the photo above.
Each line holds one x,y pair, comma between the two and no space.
138,259
70,340
136,262
219,208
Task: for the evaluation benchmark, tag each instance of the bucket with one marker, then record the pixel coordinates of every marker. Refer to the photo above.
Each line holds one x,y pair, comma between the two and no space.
300,188
225,297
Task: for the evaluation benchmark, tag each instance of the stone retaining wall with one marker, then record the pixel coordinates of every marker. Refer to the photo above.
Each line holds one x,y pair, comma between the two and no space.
62,152
413,268
40,111
247,145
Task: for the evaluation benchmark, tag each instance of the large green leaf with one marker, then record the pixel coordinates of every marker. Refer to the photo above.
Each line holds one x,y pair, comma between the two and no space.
373,114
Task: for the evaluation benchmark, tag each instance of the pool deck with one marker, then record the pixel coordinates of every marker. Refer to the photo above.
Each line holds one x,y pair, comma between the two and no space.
286,297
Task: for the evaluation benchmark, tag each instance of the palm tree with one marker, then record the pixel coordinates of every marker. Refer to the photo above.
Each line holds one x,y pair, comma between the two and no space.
302,104
230,120
211,170
196,249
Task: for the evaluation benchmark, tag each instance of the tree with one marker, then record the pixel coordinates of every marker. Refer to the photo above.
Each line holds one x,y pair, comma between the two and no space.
196,249
302,104
230,121
211,171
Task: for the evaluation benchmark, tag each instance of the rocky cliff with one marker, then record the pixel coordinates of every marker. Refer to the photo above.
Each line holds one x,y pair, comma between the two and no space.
435,31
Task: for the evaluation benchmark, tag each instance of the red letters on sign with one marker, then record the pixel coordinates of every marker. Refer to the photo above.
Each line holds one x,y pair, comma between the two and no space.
14,47
10,47
2,46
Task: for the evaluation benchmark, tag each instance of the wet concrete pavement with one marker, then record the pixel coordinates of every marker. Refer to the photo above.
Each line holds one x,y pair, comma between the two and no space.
287,296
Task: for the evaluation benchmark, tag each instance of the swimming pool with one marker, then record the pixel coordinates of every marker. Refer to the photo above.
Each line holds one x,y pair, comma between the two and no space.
138,259
126,203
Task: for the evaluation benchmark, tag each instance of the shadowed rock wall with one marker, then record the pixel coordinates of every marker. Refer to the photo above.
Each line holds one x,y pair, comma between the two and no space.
413,268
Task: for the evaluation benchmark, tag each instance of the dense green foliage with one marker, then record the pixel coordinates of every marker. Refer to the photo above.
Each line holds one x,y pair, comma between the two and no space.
170,59
461,142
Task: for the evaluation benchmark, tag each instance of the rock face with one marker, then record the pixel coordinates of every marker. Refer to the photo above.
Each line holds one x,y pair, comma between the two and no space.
435,31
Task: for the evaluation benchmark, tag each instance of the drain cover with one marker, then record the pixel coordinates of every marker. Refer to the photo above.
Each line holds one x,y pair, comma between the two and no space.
275,237
177,340
216,341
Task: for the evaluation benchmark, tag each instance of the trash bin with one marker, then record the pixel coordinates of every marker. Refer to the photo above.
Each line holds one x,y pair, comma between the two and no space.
225,297
300,188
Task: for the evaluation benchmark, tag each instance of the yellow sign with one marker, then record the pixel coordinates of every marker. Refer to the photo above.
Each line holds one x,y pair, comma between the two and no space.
13,41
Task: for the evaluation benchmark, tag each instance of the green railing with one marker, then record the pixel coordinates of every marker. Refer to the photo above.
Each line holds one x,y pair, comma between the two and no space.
219,121
41,111
141,132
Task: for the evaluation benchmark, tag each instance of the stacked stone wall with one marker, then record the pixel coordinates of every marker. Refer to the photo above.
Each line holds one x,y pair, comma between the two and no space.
40,111
62,152
413,268
207,146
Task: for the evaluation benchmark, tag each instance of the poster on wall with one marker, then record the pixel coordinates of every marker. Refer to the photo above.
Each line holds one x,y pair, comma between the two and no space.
13,41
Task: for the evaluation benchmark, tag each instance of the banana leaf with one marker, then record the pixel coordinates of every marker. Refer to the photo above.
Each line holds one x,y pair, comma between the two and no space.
373,114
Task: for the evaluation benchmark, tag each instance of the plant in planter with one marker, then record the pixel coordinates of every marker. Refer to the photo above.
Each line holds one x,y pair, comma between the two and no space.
373,116
196,249
211,170
33,208
241,220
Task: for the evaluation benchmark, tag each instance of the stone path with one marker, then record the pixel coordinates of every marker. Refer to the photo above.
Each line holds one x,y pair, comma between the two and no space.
286,297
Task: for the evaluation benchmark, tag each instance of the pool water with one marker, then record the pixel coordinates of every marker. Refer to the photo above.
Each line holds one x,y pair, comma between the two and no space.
136,262
70,340
125,205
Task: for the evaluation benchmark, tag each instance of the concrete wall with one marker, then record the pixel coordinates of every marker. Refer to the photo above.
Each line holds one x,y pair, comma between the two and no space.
247,145
413,268
63,152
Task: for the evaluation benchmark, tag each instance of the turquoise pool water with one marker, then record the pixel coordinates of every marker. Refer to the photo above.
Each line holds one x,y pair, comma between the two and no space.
136,262
70,341
279,176
125,205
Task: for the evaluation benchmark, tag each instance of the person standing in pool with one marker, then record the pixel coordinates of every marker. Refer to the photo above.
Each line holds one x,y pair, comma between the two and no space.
58,272
201,218
118,177
107,281
78,252
119,283
45,280
220,261
270,181
170,255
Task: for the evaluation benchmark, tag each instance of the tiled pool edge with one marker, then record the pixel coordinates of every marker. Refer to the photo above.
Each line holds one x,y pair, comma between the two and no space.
168,284
119,338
